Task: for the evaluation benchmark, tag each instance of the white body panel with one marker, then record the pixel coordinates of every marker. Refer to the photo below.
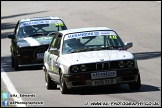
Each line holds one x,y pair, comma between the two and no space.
97,56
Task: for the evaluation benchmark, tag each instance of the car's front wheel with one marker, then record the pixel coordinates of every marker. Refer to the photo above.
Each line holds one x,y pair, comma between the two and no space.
135,85
63,87
12,61
16,65
49,83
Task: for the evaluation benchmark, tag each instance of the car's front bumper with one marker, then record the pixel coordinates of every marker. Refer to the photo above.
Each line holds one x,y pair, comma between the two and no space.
30,56
28,65
84,79
25,61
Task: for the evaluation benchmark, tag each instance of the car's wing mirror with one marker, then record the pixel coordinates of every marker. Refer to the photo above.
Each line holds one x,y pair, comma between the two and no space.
11,36
54,51
128,45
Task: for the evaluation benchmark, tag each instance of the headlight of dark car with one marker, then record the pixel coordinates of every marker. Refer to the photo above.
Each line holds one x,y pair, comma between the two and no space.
23,50
26,50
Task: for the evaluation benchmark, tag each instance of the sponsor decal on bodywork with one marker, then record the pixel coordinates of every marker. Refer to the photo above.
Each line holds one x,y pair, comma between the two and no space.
43,38
32,41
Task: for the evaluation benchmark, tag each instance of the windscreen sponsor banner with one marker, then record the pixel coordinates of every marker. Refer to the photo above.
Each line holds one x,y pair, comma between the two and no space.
41,22
86,34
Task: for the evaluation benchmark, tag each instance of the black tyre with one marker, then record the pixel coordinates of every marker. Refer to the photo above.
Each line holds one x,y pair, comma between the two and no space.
16,65
63,87
49,83
12,61
135,85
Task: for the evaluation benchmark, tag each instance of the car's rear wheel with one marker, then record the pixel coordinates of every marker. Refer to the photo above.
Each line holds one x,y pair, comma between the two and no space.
49,83
63,87
12,61
135,85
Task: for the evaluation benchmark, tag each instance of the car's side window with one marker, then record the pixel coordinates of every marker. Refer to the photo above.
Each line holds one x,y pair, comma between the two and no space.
58,41
53,41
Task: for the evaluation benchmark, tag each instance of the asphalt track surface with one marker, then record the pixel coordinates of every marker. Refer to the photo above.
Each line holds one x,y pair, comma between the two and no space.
135,21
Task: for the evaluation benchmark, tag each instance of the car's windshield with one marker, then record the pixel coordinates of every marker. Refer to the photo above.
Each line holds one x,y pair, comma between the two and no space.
91,41
41,27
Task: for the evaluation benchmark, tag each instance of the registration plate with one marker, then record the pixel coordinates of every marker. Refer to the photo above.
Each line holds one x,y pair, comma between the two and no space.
106,74
40,55
103,82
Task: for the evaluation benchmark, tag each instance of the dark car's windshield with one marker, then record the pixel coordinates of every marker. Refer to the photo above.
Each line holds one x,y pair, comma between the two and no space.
41,27
91,41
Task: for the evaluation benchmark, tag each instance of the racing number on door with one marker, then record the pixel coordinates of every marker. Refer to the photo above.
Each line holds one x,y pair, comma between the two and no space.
53,65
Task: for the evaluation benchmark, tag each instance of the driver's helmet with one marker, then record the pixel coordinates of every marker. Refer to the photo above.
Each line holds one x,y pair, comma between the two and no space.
72,42
28,30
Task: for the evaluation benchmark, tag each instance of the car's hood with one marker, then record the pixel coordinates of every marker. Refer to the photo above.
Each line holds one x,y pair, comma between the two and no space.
97,56
34,41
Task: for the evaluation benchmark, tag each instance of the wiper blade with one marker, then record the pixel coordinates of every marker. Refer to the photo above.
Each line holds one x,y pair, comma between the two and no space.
110,47
35,34
85,49
94,49
114,46
79,50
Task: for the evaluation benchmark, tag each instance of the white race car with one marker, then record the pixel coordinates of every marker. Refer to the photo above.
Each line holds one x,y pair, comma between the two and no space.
93,56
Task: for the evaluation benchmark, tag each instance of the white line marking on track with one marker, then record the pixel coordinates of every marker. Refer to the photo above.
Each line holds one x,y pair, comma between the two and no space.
11,88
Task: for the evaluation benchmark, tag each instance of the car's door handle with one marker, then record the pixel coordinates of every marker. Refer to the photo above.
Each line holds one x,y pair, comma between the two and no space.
50,58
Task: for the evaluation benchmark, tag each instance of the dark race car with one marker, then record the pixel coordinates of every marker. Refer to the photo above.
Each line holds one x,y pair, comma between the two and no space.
31,39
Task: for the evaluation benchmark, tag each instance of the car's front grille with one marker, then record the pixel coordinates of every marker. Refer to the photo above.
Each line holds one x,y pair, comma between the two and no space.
99,66
107,65
29,54
26,51
33,50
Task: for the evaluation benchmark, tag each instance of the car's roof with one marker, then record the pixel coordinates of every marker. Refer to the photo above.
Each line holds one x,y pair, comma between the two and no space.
39,18
68,31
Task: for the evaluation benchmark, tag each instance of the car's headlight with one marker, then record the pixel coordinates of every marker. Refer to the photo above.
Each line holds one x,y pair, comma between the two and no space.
26,50
23,50
130,64
83,68
121,64
74,68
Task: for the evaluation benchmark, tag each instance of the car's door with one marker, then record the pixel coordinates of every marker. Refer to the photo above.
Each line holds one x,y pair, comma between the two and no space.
47,58
47,54
53,64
